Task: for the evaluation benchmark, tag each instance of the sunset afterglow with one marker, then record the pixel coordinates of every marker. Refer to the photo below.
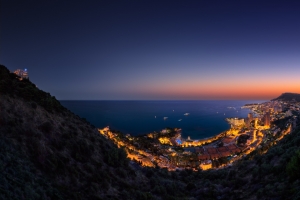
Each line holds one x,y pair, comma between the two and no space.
156,51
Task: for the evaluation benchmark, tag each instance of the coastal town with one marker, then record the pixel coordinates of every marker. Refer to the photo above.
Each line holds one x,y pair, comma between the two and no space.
265,125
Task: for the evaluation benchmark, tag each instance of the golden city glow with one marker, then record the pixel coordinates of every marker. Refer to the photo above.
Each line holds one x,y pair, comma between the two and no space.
244,136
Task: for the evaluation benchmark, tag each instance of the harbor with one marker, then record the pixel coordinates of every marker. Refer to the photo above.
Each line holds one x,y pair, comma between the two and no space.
167,148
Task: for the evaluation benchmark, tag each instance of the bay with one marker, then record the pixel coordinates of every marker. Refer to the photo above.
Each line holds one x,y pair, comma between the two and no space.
206,117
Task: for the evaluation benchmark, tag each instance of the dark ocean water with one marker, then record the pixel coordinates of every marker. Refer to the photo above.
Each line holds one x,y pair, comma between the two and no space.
206,118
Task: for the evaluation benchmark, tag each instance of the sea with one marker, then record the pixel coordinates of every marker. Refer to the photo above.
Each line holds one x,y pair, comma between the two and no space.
205,118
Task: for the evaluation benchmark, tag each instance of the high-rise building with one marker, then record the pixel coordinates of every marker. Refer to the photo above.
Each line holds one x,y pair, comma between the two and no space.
250,116
267,119
249,120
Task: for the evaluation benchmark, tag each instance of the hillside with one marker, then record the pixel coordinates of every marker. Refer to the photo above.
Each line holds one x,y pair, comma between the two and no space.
47,152
51,151
288,97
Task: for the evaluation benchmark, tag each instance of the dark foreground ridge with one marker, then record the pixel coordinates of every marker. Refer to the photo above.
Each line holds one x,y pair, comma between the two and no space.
47,152
288,97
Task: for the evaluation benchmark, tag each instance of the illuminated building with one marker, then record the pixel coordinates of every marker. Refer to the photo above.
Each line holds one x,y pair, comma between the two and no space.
255,122
250,117
236,121
267,119
22,73
206,165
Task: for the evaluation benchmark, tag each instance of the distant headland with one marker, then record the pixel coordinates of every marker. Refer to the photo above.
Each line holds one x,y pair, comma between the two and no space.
288,96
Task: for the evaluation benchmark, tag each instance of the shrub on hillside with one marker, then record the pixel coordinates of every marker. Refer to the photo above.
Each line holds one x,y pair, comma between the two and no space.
292,167
46,127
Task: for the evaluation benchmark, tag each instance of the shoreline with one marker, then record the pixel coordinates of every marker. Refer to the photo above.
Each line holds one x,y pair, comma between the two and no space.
208,140
167,149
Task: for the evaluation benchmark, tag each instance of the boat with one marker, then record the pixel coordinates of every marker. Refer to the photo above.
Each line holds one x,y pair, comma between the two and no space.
186,114
165,118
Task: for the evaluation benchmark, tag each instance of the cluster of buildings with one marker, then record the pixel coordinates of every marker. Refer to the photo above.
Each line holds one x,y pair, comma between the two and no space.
212,153
173,152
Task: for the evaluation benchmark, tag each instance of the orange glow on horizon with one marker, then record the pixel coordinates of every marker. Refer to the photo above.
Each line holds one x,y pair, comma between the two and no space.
257,90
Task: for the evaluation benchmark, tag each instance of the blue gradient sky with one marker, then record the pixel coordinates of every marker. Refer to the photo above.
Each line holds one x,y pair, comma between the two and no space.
117,50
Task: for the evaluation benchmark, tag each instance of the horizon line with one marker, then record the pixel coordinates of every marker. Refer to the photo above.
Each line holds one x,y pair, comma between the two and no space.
163,100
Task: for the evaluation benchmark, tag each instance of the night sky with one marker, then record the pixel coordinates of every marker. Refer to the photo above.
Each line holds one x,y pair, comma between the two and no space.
154,50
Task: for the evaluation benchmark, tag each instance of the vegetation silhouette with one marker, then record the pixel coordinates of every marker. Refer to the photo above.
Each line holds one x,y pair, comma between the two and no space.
47,152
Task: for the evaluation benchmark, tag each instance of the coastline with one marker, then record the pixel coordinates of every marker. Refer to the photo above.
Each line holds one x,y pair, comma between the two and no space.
166,149
199,142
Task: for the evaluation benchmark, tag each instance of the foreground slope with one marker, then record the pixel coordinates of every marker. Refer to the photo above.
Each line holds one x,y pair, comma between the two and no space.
47,152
